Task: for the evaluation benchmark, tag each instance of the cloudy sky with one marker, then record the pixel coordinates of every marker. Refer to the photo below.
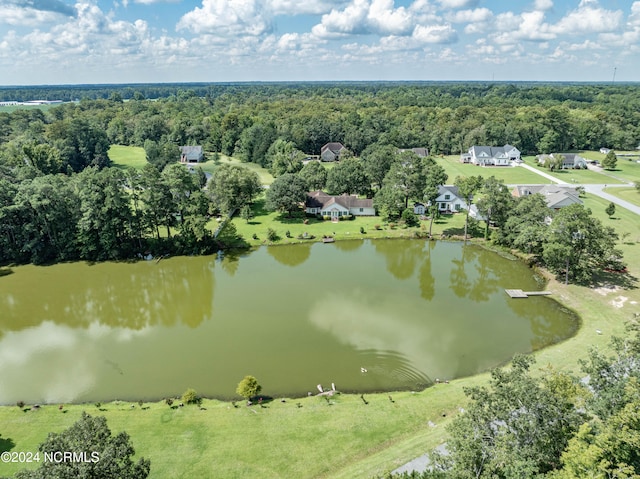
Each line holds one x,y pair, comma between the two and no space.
122,41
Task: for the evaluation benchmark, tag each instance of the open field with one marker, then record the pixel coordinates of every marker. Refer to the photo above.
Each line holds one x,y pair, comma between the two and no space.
127,156
511,175
627,170
629,194
575,176
623,221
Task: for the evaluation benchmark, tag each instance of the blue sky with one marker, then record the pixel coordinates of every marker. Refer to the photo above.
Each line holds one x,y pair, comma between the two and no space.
125,41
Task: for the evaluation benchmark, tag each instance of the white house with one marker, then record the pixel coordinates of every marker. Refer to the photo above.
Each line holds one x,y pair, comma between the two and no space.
449,199
321,203
491,155
331,151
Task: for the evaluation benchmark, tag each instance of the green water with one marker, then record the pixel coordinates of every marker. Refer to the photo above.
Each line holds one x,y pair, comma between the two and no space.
293,316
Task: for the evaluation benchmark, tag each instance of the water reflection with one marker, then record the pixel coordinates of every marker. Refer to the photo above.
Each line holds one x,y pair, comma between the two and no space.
427,280
173,291
290,255
294,316
401,256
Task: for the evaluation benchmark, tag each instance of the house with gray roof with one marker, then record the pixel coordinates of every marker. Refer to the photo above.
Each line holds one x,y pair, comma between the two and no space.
321,203
421,152
449,199
191,154
556,196
491,155
570,161
331,151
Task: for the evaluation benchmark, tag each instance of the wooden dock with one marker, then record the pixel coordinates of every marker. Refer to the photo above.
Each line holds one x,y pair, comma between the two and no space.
518,293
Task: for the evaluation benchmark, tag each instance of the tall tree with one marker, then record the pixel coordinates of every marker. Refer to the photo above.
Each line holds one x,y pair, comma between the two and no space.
349,177
577,244
468,186
233,186
283,157
408,175
314,174
102,455
610,161
495,204
286,193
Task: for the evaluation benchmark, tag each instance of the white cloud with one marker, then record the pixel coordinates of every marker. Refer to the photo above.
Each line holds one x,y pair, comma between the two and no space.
435,34
227,18
458,3
589,18
528,26
543,5
471,16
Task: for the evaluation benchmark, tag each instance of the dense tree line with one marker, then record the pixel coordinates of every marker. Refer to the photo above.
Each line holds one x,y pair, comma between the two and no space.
245,120
551,424
101,214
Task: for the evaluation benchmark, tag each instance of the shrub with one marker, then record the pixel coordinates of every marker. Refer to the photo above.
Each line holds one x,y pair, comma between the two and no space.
288,234
169,401
378,227
255,236
248,387
190,396
20,404
272,235
362,231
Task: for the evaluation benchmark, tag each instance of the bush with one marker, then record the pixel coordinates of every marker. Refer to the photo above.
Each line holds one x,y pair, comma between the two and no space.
190,396
169,402
362,231
20,404
272,235
378,227
410,218
248,387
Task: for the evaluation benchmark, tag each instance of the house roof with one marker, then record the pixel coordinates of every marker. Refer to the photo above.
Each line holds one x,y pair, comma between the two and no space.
335,147
191,152
491,151
320,199
448,189
422,152
556,196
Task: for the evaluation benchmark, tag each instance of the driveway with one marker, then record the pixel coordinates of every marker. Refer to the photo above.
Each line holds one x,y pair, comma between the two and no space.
596,189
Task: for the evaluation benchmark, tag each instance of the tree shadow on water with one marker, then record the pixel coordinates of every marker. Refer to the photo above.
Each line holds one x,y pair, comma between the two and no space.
6,444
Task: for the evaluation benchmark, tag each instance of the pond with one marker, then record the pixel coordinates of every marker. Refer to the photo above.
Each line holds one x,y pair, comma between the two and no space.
364,315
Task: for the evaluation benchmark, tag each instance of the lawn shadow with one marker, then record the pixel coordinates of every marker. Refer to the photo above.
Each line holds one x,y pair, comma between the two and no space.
622,279
6,444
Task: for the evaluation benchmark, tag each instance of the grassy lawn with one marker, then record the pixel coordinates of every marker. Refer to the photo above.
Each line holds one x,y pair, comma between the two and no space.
623,221
127,156
451,225
629,194
627,170
576,176
510,175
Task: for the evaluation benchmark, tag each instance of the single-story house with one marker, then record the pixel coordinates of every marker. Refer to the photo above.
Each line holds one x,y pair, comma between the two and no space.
491,155
449,199
421,152
321,203
569,160
331,151
191,154
556,196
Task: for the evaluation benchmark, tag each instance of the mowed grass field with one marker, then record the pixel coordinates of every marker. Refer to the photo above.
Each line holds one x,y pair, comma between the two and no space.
629,194
126,157
135,157
510,174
